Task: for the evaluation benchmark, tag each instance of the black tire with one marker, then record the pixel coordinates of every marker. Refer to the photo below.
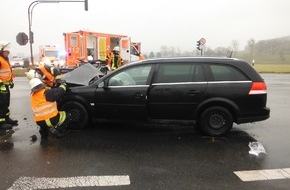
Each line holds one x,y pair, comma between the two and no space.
79,114
216,121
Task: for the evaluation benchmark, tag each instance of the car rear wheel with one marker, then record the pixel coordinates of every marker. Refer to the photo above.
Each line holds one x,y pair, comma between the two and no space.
216,121
79,114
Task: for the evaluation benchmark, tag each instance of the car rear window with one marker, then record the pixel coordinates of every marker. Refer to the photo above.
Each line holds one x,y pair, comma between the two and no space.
226,73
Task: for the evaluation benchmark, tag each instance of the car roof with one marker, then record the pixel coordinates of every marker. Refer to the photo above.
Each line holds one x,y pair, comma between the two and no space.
192,59
238,63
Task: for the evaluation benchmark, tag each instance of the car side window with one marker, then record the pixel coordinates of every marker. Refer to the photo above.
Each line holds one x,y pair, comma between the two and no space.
226,73
131,76
179,72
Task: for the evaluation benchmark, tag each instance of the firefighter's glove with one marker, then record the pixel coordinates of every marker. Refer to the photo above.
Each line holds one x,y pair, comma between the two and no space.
3,88
62,84
11,84
58,77
59,82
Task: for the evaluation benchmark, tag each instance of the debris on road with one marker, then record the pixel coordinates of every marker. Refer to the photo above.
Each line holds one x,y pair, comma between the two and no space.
256,148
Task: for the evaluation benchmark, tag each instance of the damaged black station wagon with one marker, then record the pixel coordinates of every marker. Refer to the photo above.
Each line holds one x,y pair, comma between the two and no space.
211,93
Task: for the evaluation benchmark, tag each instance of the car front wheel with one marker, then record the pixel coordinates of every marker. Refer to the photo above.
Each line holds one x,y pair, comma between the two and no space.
78,114
216,121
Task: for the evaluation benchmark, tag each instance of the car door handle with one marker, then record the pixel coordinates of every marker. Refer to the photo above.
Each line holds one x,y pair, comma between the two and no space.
193,92
138,95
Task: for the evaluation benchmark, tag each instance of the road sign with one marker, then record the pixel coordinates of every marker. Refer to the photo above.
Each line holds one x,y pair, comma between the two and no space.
202,41
22,38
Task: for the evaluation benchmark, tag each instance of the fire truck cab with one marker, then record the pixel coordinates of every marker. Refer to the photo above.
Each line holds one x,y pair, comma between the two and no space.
48,54
81,44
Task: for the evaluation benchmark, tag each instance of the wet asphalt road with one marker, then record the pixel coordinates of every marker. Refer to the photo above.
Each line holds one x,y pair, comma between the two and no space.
154,157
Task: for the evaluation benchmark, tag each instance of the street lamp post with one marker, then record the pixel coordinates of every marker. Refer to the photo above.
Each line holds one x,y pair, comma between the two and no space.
30,10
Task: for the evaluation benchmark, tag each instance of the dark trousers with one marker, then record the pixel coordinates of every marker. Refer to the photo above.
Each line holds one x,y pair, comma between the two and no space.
44,128
4,103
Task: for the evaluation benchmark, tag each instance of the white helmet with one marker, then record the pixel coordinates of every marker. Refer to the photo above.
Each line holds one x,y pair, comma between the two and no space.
36,84
32,74
49,63
5,46
116,48
90,58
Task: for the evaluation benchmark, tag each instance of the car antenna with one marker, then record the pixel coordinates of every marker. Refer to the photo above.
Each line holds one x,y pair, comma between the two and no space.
230,56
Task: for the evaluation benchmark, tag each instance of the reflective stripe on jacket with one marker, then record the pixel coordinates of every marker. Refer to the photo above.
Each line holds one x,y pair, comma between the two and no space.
42,109
6,74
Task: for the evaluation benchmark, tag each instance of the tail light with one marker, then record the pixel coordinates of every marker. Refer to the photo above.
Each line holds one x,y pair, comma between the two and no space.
258,88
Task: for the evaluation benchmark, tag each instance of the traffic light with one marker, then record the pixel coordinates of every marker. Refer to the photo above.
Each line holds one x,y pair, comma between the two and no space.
198,45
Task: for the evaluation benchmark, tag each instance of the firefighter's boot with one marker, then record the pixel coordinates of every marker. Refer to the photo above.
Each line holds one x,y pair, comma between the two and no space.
10,121
57,133
5,126
43,132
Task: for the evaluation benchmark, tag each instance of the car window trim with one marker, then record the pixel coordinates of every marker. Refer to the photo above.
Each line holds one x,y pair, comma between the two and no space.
215,82
176,83
129,86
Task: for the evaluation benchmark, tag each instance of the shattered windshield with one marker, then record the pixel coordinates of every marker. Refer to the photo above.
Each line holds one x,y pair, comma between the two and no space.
82,75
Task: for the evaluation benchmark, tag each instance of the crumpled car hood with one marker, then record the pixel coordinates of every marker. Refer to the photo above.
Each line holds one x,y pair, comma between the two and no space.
82,75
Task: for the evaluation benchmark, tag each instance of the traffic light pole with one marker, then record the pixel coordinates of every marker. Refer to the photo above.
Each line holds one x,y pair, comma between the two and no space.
30,10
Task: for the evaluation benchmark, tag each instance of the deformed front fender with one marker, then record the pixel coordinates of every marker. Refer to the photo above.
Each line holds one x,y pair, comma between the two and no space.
75,98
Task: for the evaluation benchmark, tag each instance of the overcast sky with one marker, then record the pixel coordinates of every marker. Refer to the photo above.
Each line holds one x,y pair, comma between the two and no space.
155,23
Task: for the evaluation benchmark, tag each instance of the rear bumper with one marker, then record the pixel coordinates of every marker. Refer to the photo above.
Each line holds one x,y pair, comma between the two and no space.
258,116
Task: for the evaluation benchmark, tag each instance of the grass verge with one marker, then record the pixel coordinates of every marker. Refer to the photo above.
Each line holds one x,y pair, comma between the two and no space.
272,68
19,72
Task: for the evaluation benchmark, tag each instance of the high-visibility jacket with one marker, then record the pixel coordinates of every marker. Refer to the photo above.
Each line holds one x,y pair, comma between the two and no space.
49,79
114,60
42,109
6,74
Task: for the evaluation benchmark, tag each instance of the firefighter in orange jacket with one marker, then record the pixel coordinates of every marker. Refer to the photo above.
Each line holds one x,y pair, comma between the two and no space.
114,59
49,74
6,82
44,107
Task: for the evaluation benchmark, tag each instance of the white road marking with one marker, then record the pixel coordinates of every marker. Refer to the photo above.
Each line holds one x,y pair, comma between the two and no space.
30,183
256,175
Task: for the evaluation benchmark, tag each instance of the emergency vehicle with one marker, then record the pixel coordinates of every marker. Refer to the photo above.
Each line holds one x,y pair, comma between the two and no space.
81,44
49,54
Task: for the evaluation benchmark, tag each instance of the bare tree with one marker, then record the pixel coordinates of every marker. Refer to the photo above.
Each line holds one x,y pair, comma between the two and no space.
251,47
222,51
151,55
234,47
164,50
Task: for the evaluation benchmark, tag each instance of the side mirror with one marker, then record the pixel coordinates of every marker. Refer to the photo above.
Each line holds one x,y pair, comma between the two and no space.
101,84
